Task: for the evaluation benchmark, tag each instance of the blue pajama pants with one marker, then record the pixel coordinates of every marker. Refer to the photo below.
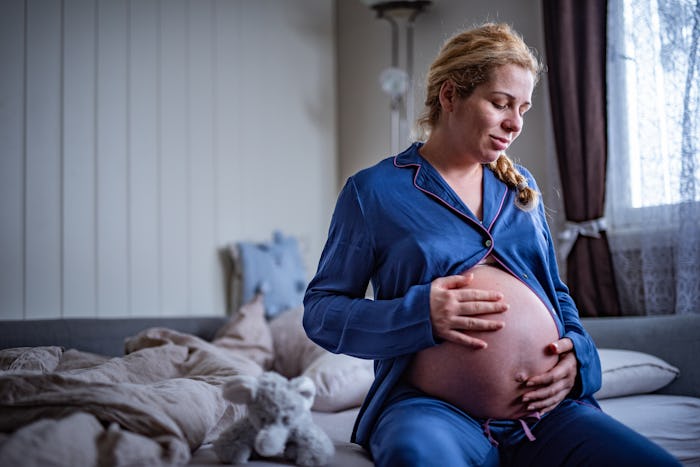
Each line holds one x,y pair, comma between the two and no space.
416,430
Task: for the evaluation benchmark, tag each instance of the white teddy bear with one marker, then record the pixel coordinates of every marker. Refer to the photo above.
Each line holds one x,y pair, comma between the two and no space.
278,423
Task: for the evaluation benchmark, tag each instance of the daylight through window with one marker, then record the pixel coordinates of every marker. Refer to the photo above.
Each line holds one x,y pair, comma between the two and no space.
653,75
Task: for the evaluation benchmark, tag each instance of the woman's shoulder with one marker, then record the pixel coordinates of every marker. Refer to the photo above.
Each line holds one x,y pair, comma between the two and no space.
375,175
382,171
525,172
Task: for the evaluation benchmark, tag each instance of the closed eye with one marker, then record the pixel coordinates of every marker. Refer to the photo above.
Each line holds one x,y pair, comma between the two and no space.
503,100
521,111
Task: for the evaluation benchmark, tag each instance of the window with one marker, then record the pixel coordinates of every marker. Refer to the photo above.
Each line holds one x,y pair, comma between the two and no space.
653,111
653,189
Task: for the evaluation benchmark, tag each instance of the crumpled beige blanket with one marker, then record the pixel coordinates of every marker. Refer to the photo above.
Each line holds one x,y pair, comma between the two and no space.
153,406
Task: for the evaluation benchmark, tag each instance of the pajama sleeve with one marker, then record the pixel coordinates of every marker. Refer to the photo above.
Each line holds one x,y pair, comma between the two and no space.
338,317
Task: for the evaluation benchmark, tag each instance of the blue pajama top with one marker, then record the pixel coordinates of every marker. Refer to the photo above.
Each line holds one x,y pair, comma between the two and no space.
399,225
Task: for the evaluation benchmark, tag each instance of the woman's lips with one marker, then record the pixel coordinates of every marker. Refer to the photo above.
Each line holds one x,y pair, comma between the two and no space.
501,144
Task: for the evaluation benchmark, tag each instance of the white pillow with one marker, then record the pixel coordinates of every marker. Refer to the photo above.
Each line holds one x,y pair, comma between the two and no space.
341,381
627,372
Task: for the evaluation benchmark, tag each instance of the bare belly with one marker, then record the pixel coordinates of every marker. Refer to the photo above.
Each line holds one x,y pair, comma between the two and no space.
489,382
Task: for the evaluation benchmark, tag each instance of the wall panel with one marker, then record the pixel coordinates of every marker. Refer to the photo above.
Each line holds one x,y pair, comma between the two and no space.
42,216
79,117
174,143
265,125
144,158
202,225
12,93
228,120
139,138
112,169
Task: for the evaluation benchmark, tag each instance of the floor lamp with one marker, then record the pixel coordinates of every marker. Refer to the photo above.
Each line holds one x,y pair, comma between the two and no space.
395,80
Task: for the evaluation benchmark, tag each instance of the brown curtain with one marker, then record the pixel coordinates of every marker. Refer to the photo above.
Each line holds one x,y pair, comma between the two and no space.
575,41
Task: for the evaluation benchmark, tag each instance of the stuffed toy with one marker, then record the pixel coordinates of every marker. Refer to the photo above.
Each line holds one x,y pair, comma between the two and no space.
278,423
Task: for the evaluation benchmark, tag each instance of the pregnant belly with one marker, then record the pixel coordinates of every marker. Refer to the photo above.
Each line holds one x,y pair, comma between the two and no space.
489,382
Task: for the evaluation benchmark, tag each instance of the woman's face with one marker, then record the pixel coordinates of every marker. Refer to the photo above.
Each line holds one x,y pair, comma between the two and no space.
483,125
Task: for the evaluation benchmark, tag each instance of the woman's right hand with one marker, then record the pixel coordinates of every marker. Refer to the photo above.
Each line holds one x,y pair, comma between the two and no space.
455,310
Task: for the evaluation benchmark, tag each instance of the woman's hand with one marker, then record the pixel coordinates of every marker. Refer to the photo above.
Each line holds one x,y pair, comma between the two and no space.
455,310
553,386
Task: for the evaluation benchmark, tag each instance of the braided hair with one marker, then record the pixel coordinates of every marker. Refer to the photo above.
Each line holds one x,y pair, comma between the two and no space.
526,198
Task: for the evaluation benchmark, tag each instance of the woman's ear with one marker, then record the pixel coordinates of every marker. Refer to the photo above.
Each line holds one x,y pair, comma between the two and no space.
448,94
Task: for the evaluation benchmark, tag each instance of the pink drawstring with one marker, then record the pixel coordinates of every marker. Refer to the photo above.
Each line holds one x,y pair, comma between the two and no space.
523,423
526,428
487,432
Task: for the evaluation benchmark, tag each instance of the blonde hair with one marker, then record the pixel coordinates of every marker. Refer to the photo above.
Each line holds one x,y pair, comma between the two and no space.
467,59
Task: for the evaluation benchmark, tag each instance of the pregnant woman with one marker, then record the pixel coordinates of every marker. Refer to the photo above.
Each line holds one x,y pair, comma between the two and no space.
480,356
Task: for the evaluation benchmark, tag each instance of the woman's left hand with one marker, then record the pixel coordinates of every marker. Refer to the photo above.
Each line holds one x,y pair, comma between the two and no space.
550,388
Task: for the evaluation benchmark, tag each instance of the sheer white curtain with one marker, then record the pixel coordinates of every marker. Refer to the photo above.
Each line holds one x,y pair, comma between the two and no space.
653,184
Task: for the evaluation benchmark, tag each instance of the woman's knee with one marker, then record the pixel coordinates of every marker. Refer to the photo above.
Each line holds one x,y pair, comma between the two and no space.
585,435
431,438
402,451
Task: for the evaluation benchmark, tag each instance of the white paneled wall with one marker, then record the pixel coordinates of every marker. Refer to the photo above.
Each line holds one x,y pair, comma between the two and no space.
139,137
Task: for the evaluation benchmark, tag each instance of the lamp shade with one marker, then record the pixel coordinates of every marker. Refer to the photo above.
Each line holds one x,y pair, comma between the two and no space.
398,8
372,3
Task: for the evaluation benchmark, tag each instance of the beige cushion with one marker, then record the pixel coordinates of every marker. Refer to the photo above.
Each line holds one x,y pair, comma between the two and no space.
294,351
248,333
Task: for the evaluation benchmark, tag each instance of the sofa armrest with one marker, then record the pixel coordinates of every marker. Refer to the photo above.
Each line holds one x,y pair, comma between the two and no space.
674,338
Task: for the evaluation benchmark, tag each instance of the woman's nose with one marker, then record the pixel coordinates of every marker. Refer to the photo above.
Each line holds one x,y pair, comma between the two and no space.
513,124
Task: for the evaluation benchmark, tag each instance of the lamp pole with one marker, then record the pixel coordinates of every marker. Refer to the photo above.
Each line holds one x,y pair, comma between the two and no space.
397,81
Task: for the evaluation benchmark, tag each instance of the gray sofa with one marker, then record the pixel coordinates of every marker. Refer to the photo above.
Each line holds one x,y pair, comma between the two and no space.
675,339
